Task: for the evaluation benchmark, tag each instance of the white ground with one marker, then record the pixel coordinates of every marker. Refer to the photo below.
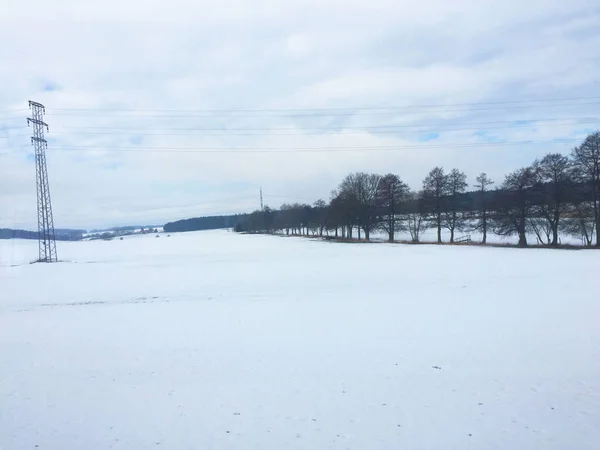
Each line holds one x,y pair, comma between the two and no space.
213,340
430,235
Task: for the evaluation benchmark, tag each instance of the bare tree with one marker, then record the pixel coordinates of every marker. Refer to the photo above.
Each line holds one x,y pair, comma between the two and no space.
483,181
435,186
586,159
541,228
514,208
320,215
306,221
579,221
555,174
284,219
415,217
555,195
391,193
268,219
297,217
456,184
363,187
335,215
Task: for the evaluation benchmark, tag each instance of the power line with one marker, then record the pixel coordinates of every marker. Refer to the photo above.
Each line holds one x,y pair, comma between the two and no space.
567,99
312,114
323,149
12,118
9,111
13,128
279,150
351,127
375,129
328,131
15,148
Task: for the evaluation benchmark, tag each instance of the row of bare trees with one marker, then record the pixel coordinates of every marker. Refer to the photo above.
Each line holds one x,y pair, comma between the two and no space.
555,195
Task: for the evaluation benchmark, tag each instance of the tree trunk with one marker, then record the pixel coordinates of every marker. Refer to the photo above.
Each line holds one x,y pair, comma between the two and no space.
358,229
367,235
392,219
555,233
597,217
452,235
439,228
522,236
484,218
555,224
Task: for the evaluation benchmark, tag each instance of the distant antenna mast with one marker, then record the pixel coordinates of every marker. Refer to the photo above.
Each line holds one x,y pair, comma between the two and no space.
46,238
261,200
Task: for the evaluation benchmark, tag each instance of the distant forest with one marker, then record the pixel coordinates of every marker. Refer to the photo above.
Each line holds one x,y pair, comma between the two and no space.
555,195
205,223
124,228
60,234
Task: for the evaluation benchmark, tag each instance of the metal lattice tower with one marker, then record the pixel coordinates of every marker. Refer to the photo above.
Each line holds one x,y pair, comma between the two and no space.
261,200
46,238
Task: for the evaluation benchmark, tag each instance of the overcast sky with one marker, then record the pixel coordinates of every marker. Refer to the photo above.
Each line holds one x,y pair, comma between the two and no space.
137,94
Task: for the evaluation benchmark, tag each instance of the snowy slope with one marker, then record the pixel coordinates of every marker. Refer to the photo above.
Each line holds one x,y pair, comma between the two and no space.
224,341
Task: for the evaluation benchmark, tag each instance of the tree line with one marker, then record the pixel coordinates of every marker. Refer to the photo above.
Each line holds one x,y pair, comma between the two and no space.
554,196
204,223
59,234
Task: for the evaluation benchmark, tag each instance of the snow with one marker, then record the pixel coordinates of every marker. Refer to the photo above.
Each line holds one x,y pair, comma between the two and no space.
225,341
430,235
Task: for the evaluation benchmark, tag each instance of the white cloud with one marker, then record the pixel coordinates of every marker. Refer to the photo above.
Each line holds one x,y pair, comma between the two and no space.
269,54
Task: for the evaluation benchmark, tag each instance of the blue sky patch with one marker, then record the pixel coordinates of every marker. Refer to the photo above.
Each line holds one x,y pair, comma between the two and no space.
428,137
135,140
485,136
50,86
523,122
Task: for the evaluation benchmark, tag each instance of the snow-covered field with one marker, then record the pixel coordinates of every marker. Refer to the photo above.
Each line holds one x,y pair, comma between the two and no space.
430,235
213,340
